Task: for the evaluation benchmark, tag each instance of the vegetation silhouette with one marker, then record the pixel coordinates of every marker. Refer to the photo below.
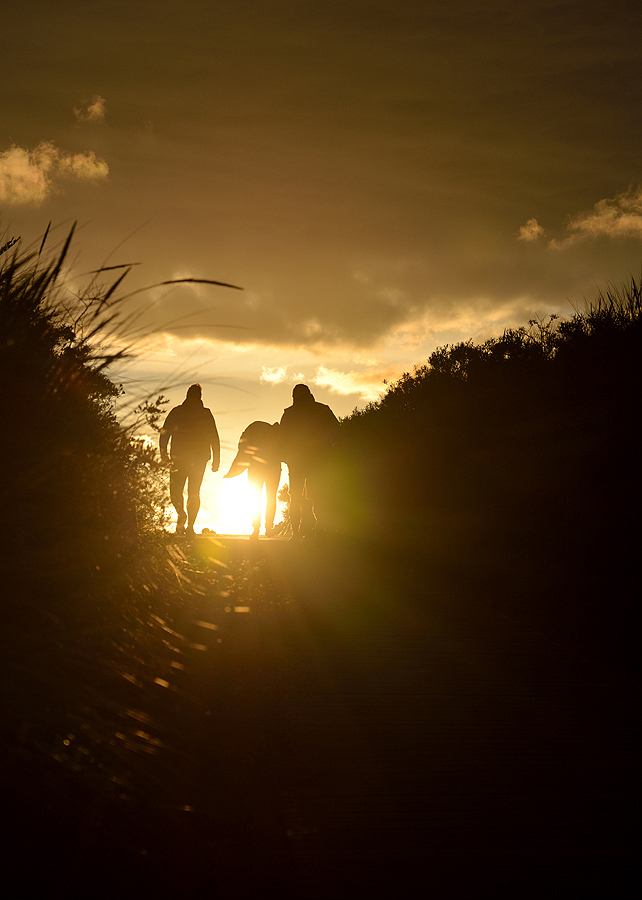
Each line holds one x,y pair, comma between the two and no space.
84,498
516,460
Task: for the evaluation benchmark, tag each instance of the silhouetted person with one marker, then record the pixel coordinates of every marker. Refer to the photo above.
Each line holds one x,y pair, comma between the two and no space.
308,430
194,441
259,453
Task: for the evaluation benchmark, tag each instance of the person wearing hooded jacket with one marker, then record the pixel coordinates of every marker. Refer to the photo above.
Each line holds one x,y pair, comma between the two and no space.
308,431
190,431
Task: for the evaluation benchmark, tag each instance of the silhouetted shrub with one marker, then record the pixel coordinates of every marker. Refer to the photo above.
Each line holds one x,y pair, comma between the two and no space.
78,491
517,457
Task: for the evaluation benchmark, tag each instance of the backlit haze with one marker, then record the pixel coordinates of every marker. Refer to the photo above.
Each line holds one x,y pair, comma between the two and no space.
381,178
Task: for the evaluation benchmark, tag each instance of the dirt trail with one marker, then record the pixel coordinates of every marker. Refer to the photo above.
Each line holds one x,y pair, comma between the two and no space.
389,734
319,723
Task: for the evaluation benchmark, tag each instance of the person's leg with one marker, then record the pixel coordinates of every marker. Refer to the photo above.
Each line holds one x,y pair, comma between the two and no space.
177,479
194,481
256,477
314,494
272,478
308,524
297,485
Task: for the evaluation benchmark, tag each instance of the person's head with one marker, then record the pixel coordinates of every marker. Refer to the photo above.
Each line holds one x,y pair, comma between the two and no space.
194,392
301,393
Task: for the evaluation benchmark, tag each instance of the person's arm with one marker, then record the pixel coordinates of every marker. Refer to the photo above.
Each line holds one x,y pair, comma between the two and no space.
332,426
165,434
285,434
336,424
215,446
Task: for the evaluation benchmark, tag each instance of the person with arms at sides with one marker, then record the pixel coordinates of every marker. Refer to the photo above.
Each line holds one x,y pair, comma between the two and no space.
190,431
308,431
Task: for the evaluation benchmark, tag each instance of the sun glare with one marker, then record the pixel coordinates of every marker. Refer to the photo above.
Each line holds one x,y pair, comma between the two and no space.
227,505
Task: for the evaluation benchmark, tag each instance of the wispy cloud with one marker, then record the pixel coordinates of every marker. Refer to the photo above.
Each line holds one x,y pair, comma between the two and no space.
30,176
619,217
531,231
93,111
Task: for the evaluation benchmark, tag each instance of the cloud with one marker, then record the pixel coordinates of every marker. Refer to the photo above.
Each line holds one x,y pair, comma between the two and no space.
93,111
30,176
330,318
24,176
620,217
274,375
83,165
531,231
468,278
279,374
369,383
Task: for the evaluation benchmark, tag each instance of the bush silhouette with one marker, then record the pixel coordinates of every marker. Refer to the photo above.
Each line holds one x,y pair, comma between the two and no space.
78,490
516,459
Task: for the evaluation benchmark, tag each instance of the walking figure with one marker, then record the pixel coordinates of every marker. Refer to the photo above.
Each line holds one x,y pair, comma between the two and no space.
259,453
191,431
308,431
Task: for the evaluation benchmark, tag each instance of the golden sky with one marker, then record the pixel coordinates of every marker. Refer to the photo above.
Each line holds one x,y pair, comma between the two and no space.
382,177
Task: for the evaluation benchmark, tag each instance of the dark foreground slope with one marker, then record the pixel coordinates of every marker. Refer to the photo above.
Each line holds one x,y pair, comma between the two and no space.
311,723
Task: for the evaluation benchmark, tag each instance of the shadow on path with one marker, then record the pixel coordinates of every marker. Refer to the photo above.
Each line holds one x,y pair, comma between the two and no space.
330,724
